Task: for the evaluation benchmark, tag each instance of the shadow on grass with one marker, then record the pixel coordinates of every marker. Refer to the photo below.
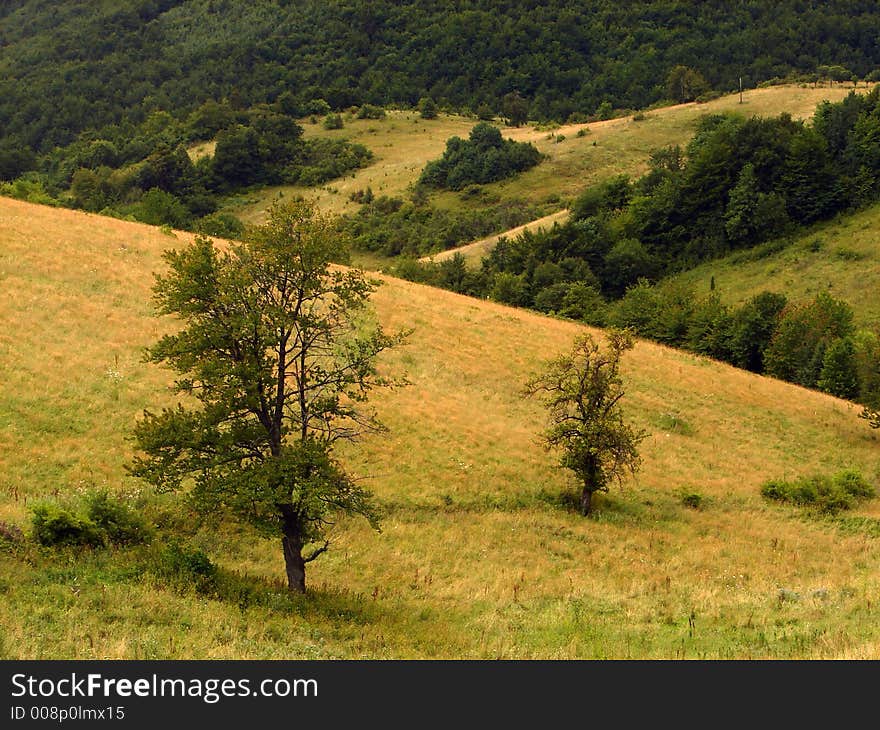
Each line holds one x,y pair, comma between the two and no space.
185,569
607,507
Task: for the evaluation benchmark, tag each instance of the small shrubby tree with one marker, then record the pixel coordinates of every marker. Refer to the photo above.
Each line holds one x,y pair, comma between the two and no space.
516,108
685,84
427,108
276,357
796,352
582,392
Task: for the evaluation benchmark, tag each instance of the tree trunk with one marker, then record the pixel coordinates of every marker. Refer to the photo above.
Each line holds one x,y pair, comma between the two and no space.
586,501
592,481
294,564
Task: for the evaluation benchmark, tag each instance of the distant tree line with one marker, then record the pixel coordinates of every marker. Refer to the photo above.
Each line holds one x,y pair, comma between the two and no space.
75,67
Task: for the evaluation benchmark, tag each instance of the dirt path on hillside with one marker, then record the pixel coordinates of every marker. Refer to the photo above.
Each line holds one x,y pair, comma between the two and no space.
475,251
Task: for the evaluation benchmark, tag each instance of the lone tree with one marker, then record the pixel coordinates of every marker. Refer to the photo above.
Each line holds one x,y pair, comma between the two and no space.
582,392
427,108
685,84
516,108
276,356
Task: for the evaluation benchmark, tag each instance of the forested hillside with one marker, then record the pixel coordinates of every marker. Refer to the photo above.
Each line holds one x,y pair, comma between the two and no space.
86,64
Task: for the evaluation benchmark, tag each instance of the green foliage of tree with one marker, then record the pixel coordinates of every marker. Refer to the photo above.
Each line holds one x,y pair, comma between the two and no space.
222,225
752,329
370,111
808,178
839,374
485,113
427,108
582,391
626,263
515,108
584,302
168,169
805,331
709,329
333,121
276,358
320,160
741,217
209,118
510,289
90,66
93,190
237,160
867,347
685,84
159,208
605,111
15,161
608,196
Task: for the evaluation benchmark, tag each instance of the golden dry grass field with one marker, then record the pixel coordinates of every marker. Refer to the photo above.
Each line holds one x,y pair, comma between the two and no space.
477,557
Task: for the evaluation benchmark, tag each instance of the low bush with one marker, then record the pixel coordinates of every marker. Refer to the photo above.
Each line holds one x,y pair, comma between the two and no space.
121,524
333,121
99,521
827,494
54,525
368,111
691,499
184,567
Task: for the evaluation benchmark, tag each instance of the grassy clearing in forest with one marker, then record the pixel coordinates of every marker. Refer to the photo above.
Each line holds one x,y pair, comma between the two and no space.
841,257
403,143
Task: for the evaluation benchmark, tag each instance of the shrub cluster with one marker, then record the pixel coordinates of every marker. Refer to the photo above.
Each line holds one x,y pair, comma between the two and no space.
393,227
99,521
184,566
483,157
828,494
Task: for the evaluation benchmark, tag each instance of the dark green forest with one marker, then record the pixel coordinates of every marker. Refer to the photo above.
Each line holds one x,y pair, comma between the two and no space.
69,67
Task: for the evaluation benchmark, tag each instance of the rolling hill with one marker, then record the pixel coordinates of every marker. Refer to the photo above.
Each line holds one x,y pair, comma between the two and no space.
577,155
477,557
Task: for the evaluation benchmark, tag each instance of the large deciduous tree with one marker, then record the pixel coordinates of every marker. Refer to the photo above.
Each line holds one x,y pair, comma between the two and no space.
276,356
582,392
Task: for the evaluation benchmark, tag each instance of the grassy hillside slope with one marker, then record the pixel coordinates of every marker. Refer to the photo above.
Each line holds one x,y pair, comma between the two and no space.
474,252
477,558
841,257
